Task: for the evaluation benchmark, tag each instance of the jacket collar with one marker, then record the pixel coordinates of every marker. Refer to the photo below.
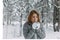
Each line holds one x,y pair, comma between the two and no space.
29,23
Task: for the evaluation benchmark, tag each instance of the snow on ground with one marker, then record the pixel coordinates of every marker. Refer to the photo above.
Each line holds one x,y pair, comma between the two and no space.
13,31
53,35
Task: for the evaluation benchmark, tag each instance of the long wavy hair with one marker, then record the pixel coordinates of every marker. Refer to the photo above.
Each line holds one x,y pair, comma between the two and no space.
30,15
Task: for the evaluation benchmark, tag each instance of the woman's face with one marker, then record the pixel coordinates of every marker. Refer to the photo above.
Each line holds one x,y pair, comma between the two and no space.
34,18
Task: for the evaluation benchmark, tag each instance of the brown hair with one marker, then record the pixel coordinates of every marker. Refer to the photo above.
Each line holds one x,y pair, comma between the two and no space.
30,15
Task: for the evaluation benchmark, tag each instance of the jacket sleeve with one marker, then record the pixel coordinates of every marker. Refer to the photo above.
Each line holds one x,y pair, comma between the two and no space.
28,34
41,33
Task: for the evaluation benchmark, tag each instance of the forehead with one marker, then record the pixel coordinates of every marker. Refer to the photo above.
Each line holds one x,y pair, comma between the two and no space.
34,14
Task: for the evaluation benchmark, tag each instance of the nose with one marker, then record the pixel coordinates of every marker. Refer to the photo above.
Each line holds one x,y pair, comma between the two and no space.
35,19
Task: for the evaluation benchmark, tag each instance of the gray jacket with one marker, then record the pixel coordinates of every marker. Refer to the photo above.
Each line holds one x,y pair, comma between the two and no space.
30,33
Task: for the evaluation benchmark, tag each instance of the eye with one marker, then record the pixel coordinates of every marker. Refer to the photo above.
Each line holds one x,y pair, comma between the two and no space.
33,16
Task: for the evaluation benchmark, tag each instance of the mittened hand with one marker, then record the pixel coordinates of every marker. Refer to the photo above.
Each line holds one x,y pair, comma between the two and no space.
36,25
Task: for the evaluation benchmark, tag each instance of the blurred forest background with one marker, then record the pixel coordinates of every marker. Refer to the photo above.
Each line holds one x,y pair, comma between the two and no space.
15,13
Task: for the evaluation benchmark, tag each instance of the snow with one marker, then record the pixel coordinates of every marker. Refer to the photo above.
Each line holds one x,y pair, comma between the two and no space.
52,35
15,31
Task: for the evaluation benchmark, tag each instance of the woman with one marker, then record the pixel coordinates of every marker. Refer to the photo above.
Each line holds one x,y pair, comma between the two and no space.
28,31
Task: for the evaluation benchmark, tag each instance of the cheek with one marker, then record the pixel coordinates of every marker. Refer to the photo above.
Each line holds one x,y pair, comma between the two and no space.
36,19
32,19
